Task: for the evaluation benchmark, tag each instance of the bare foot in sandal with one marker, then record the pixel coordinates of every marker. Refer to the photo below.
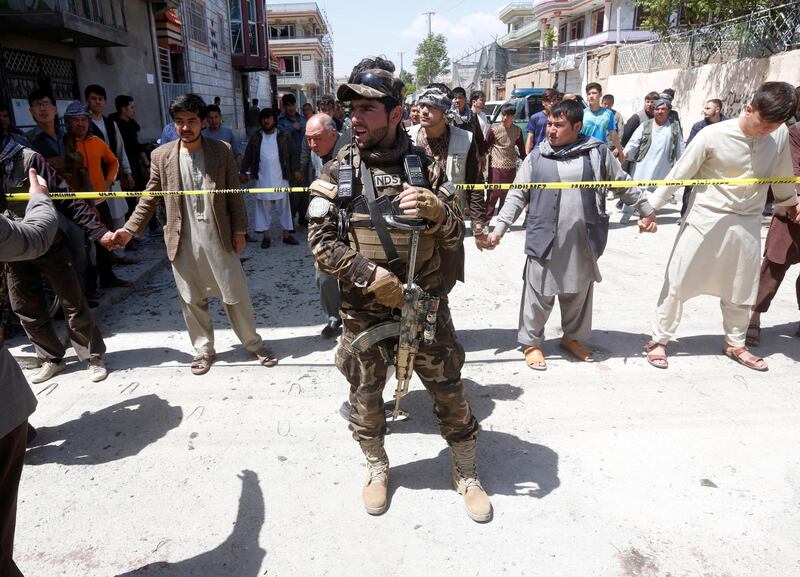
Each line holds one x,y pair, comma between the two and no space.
744,357
202,363
577,350
656,354
535,359
266,358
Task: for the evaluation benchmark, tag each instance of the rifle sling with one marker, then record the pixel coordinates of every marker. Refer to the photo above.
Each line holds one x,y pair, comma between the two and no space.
394,262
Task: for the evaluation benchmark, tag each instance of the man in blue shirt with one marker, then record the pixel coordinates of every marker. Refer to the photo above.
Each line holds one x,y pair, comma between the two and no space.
537,124
217,131
599,122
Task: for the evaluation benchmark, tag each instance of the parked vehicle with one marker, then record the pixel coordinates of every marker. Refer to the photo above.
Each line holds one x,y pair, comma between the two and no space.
527,102
491,107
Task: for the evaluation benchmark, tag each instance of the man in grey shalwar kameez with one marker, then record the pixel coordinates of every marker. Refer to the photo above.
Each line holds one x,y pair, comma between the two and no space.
566,231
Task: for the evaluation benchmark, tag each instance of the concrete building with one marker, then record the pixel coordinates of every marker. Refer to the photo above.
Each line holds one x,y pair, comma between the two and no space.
573,23
63,46
153,51
300,37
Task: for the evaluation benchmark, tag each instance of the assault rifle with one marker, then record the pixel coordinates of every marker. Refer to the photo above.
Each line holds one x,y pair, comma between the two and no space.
417,322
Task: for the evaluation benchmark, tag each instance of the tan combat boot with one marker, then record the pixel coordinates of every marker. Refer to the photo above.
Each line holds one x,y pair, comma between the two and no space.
377,483
467,483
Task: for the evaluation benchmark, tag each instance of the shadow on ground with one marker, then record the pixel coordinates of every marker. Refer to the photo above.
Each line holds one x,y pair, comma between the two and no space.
239,555
116,432
507,464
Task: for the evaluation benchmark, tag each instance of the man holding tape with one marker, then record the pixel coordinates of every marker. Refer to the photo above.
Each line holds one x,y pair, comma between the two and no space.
565,231
204,232
717,251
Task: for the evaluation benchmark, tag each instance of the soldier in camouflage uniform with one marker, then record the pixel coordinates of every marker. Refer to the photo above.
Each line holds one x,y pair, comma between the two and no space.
371,293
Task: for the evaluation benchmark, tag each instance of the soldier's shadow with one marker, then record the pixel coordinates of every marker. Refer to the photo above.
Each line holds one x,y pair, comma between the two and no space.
507,464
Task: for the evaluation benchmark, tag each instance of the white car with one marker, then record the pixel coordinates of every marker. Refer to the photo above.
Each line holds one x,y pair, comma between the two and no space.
490,108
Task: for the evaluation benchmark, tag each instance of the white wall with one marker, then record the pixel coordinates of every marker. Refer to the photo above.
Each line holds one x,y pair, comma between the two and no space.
733,82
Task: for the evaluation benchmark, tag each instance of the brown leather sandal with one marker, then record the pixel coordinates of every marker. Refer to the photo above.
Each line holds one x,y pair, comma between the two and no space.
577,350
535,359
657,360
202,363
737,354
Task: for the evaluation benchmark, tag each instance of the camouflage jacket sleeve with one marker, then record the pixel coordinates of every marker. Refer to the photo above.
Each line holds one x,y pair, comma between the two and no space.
333,256
451,232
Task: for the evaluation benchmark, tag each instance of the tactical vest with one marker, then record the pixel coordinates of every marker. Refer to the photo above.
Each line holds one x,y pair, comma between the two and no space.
362,235
457,151
647,139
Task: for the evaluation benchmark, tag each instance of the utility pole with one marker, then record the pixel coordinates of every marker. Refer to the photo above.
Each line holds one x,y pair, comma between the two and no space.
401,60
429,14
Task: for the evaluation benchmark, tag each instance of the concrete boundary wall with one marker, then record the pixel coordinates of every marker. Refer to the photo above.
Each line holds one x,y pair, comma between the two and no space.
731,82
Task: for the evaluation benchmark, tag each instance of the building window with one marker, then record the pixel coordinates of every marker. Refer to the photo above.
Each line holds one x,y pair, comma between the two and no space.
252,31
282,31
223,38
198,27
292,66
597,21
576,29
562,34
237,41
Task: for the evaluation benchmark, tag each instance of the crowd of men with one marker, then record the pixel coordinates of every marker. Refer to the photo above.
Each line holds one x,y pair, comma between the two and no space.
362,246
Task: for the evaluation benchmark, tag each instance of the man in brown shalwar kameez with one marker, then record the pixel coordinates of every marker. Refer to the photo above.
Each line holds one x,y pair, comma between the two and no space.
204,232
782,247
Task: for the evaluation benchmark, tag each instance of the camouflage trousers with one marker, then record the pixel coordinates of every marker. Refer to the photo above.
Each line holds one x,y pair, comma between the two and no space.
438,366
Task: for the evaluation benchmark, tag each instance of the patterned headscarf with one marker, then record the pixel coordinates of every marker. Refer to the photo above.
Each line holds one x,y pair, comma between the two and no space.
436,97
8,150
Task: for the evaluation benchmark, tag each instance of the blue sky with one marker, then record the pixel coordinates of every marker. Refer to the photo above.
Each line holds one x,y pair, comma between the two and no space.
372,28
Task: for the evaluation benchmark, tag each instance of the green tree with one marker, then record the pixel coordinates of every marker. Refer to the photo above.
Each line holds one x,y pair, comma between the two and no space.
408,80
659,14
432,59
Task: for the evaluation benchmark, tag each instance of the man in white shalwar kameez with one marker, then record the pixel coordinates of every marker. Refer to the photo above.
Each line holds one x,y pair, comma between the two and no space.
271,157
718,248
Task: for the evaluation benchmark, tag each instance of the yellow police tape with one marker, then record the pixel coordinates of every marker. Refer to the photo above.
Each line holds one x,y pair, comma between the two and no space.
466,187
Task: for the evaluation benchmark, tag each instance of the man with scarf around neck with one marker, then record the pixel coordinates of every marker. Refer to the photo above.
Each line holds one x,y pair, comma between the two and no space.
566,231
456,152
371,294
25,277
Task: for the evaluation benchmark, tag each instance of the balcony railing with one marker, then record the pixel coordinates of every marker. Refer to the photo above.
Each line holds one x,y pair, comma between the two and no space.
757,35
75,22
530,29
526,7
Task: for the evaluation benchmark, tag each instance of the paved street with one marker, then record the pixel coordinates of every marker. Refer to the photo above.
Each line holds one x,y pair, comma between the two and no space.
605,469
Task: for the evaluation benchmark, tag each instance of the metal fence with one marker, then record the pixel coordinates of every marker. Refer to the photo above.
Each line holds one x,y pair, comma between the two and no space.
756,35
